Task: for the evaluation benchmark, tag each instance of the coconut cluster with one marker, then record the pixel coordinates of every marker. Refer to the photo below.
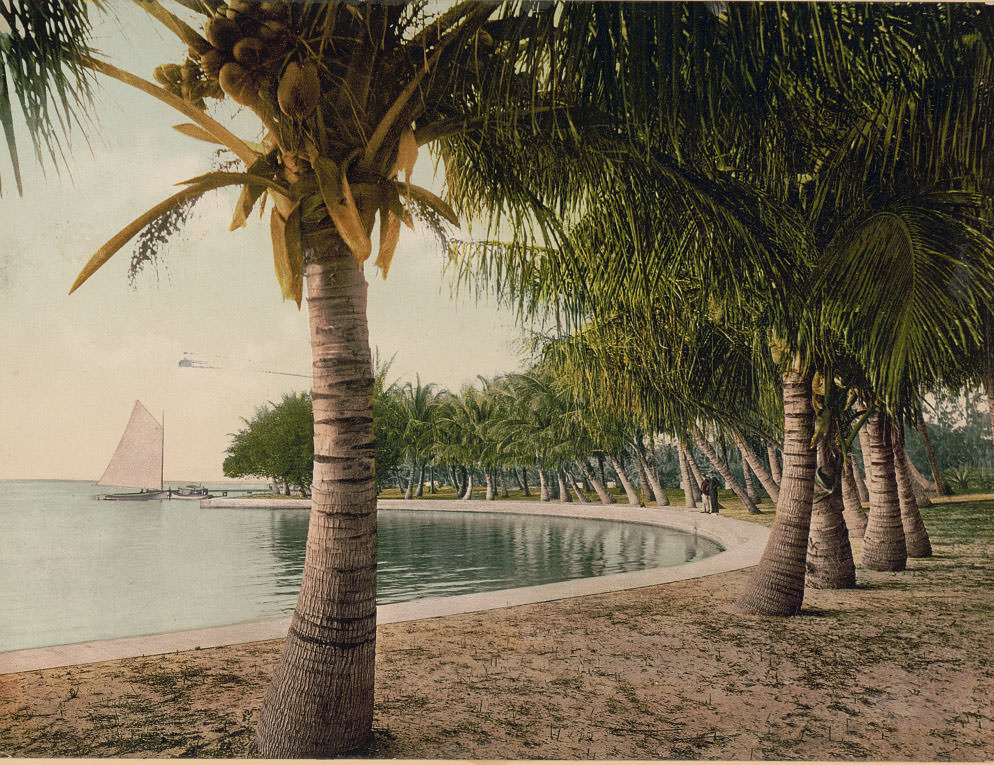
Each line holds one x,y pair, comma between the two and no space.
243,55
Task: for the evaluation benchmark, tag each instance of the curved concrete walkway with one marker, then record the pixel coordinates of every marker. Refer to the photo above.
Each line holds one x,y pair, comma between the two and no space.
743,544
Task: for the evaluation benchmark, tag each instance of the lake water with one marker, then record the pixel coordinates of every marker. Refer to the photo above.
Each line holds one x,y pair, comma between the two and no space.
73,568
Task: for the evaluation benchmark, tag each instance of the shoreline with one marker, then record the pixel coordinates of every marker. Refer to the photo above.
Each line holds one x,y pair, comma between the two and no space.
896,669
743,543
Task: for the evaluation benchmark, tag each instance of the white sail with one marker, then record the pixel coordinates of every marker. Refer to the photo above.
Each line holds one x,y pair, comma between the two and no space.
137,463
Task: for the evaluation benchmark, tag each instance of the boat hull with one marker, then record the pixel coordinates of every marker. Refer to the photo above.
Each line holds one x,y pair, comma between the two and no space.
136,496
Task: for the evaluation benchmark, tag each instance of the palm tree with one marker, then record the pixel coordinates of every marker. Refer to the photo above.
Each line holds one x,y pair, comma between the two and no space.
869,186
345,96
421,409
777,586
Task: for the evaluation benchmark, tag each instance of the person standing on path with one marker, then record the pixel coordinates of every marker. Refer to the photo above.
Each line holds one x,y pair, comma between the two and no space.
706,495
712,495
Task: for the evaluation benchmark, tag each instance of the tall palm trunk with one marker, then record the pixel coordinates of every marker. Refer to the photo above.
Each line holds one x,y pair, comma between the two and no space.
852,507
689,500
915,535
502,484
941,487
830,563
883,543
749,482
468,494
864,447
653,488
320,702
771,455
580,496
750,457
410,484
633,498
524,482
605,498
645,492
695,472
722,467
488,476
563,493
543,485
919,480
419,492
653,468
776,587
431,480
864,493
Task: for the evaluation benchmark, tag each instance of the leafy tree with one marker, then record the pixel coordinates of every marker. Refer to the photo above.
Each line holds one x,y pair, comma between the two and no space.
278,443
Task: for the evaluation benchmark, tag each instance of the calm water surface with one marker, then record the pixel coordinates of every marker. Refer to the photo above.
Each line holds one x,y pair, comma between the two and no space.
73,568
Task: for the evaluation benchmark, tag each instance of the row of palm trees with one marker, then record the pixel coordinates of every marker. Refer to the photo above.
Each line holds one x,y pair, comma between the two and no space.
774,218
530,430
804,270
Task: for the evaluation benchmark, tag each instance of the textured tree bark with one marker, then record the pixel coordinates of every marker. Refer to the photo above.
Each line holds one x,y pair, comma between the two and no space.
320,702
919,480
543,486
864,447
421,481
776,587
864,493
410,484
502,484
633,498
657,487
488,477
941,487
749,482
915,535
852,508
830,563
695,472
651,485
524,482
468,494
884,548
563,492
580,496
605,498
754,462
722,467
771,455
689,500
645,491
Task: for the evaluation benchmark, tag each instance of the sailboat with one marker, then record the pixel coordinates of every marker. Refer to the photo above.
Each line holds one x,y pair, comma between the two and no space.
137,462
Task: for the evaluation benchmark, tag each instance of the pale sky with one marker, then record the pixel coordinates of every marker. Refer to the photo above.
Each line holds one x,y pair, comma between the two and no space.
72,366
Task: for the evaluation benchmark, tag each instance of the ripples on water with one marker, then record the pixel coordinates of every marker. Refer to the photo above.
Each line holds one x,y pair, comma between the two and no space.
73,568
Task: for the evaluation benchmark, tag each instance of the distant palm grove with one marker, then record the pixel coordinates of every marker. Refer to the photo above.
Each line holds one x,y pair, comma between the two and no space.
751,229
524,436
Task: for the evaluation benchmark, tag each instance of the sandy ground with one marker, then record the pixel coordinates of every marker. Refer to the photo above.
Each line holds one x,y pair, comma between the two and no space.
899,669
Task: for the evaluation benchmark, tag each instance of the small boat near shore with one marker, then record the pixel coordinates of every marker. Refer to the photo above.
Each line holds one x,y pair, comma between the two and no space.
137,463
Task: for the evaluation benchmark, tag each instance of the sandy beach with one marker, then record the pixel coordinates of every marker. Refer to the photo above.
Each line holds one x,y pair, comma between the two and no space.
898,669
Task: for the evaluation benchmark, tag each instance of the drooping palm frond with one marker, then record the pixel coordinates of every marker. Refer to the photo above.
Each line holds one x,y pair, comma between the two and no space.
664,370
904,284
41,42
